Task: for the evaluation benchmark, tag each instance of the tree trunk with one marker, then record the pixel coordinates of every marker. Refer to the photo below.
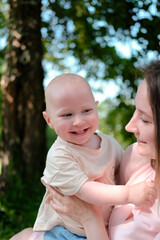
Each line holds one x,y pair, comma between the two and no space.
23,127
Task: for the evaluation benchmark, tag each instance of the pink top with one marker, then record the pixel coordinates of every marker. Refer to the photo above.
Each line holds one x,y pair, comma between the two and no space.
128,222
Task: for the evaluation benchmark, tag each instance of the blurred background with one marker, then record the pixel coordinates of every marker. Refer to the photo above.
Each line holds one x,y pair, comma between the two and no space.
105,41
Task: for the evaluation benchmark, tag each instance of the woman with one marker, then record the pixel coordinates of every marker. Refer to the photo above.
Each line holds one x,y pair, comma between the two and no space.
141,161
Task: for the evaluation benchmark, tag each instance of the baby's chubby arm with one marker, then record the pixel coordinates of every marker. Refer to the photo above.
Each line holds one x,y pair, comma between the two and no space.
97,193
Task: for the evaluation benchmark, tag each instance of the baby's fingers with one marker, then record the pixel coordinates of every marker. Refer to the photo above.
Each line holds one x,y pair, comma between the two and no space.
151,185
151,188
151,195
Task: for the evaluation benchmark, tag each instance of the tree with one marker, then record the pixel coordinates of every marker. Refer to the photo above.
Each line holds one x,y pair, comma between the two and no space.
90,29
23,128
86,30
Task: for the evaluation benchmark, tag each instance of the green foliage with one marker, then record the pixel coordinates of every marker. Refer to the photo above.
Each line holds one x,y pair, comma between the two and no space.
19,203
113,120
3,36
88,30
51,136
18,207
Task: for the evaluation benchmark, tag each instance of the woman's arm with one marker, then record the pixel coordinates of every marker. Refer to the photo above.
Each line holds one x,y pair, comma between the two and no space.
96,222
88,215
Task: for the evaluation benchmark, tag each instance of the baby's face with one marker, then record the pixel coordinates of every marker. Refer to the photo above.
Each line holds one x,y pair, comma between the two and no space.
73,113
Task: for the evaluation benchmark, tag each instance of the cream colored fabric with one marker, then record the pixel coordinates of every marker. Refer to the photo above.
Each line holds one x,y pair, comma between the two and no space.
68,167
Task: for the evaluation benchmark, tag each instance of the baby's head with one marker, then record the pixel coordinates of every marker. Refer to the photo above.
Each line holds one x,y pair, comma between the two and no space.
71,109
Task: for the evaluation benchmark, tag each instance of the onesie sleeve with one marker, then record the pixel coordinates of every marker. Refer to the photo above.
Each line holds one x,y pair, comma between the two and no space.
63,172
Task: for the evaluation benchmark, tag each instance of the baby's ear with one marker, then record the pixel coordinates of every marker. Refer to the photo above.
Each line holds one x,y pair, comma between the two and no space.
97,102
47,118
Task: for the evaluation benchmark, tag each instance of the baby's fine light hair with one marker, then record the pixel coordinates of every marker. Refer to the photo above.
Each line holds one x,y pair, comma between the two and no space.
62,81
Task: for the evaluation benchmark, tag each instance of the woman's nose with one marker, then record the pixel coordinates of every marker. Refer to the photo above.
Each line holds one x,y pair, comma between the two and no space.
132,124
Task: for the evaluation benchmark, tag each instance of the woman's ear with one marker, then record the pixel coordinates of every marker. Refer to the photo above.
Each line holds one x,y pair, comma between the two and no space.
47,118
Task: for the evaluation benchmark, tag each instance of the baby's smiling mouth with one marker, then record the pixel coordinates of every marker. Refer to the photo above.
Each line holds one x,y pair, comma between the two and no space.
80,132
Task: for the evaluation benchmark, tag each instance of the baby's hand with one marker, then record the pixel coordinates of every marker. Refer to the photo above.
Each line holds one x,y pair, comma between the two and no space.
143,193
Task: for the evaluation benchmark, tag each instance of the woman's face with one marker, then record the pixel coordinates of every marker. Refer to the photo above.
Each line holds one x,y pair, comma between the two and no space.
142,123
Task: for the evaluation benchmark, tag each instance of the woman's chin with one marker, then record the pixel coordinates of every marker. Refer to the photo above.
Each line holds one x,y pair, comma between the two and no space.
143,151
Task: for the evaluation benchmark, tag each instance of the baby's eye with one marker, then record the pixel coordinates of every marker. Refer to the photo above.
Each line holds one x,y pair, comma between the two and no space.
67,115
87,110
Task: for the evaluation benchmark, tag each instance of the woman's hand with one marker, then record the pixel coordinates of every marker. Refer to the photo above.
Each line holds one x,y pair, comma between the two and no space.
87,214
72,206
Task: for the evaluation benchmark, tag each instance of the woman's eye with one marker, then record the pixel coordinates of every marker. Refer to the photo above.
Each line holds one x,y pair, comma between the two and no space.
145,121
